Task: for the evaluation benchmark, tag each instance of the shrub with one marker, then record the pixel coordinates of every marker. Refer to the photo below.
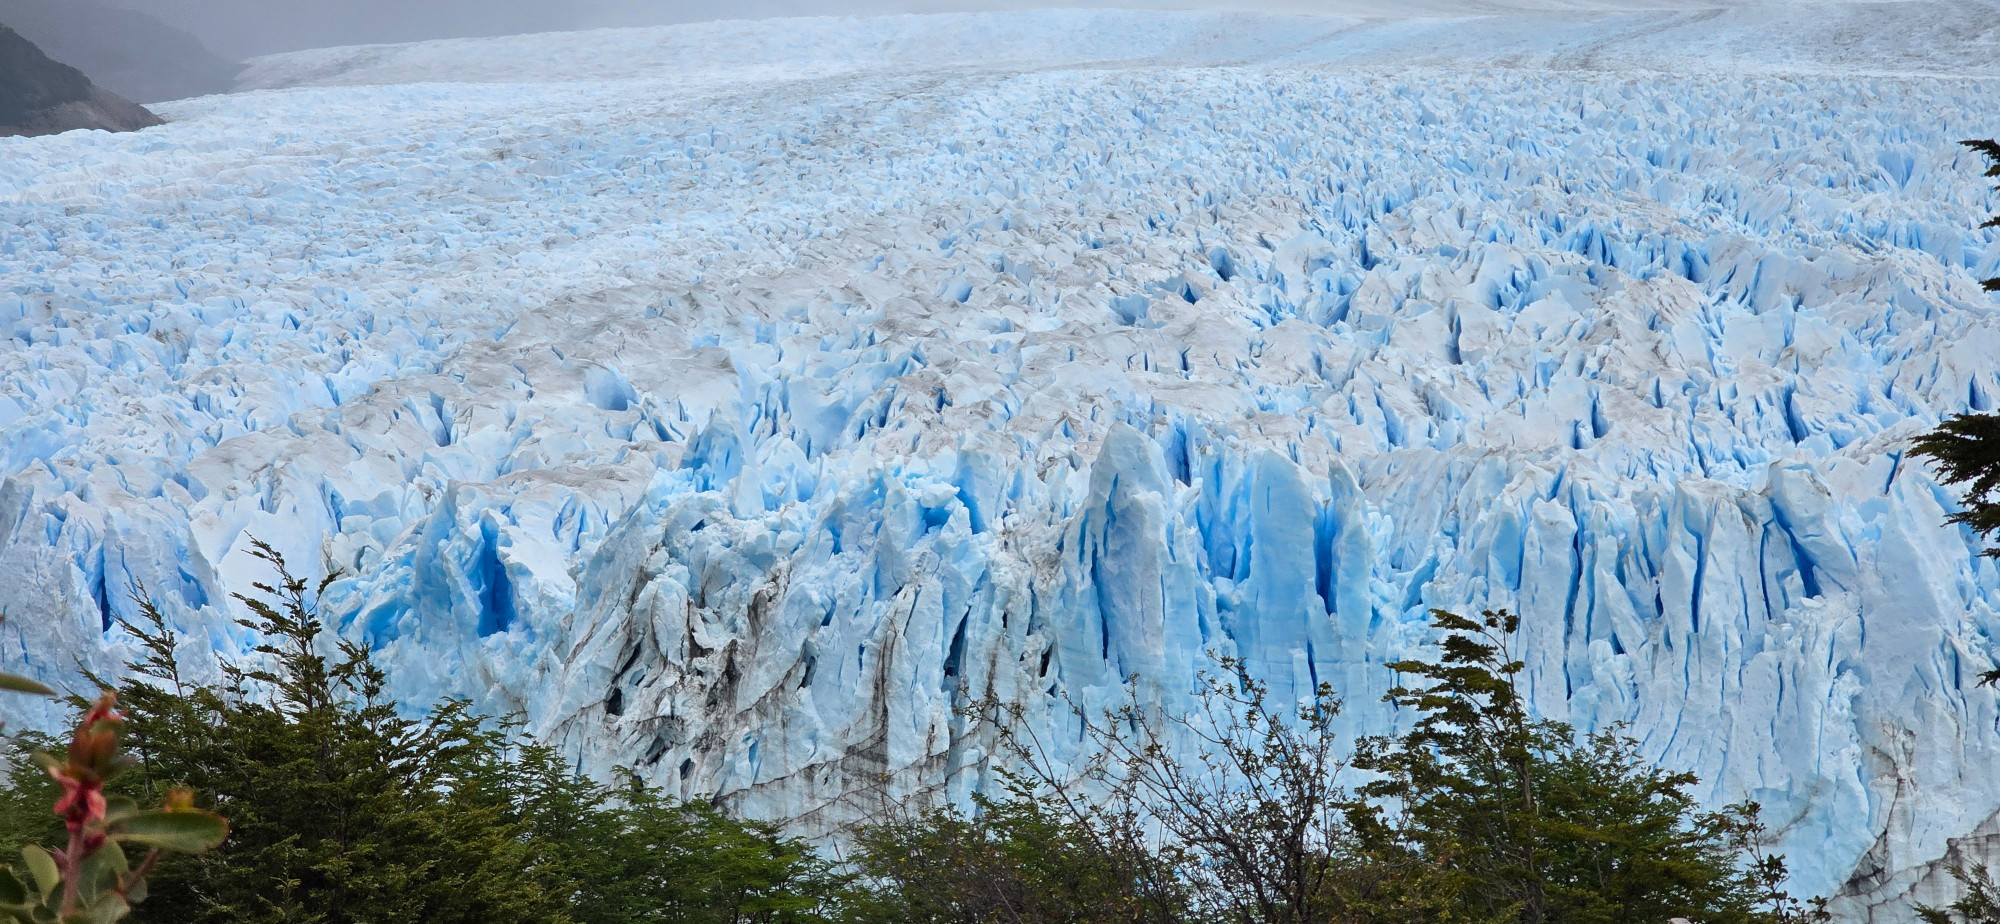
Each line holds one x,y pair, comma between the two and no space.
347,810
1015,859
1503,817
91,880
1480,813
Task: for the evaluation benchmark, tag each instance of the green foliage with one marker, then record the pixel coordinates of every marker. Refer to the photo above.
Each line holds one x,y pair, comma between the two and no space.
1017,859
345,810
641,858
1480,813
14,684
26,794
1979,905
91,879
28,790
1966,447
1991,150
1498,816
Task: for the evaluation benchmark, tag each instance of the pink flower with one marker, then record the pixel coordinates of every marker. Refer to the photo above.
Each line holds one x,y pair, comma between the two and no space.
91,751
82,802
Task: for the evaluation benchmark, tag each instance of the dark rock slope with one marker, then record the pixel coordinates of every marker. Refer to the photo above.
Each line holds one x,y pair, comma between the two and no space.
41,96
127,52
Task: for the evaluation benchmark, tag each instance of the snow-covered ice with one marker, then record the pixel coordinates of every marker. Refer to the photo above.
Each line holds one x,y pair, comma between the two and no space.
724,398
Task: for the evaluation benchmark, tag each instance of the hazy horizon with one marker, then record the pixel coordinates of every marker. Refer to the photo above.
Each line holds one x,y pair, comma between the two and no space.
248,28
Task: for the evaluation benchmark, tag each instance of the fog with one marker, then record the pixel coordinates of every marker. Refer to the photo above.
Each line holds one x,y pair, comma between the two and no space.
246,28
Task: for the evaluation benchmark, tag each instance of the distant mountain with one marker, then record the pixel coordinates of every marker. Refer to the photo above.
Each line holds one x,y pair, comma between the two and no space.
241,29
41,96
127,52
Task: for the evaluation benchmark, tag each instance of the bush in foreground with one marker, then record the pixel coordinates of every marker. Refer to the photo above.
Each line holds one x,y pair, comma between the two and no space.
1479,813
344,811
91,879
1966,450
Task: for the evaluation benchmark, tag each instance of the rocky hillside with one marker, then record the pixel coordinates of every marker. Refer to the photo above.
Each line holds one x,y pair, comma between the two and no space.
41,96
129,53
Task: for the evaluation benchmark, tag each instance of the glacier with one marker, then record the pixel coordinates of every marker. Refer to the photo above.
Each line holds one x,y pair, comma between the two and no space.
729,399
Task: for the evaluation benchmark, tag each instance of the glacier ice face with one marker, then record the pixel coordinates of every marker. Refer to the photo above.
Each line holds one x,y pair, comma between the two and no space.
727,420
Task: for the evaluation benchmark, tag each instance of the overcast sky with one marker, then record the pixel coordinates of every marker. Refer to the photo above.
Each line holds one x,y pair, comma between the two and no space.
244,28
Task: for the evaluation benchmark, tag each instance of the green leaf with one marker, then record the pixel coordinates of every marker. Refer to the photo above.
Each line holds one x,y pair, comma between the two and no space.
108,909
186,832
119,808
101,872
12,892
135,891
113,858
14,684
42,866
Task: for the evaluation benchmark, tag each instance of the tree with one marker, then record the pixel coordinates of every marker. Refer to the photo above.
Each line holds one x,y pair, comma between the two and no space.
641,858
348,810
1503,817
1018,859
1480,813
1966,449
1991,149
344,810
1979,905
1253,820
28,790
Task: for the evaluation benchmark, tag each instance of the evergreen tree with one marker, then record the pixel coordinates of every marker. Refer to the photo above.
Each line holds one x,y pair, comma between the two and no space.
641,858
1979,905
1991,149
1494,816
1480,814
26,795
1019,859
1966,449
344,811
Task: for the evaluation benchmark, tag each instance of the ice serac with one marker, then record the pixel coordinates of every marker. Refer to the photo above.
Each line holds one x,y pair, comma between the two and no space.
734,421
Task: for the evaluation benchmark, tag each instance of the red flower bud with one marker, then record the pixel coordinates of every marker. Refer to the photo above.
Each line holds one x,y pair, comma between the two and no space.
91,753
82,802
96,741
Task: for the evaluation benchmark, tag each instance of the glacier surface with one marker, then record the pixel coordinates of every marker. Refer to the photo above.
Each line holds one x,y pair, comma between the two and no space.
727,398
